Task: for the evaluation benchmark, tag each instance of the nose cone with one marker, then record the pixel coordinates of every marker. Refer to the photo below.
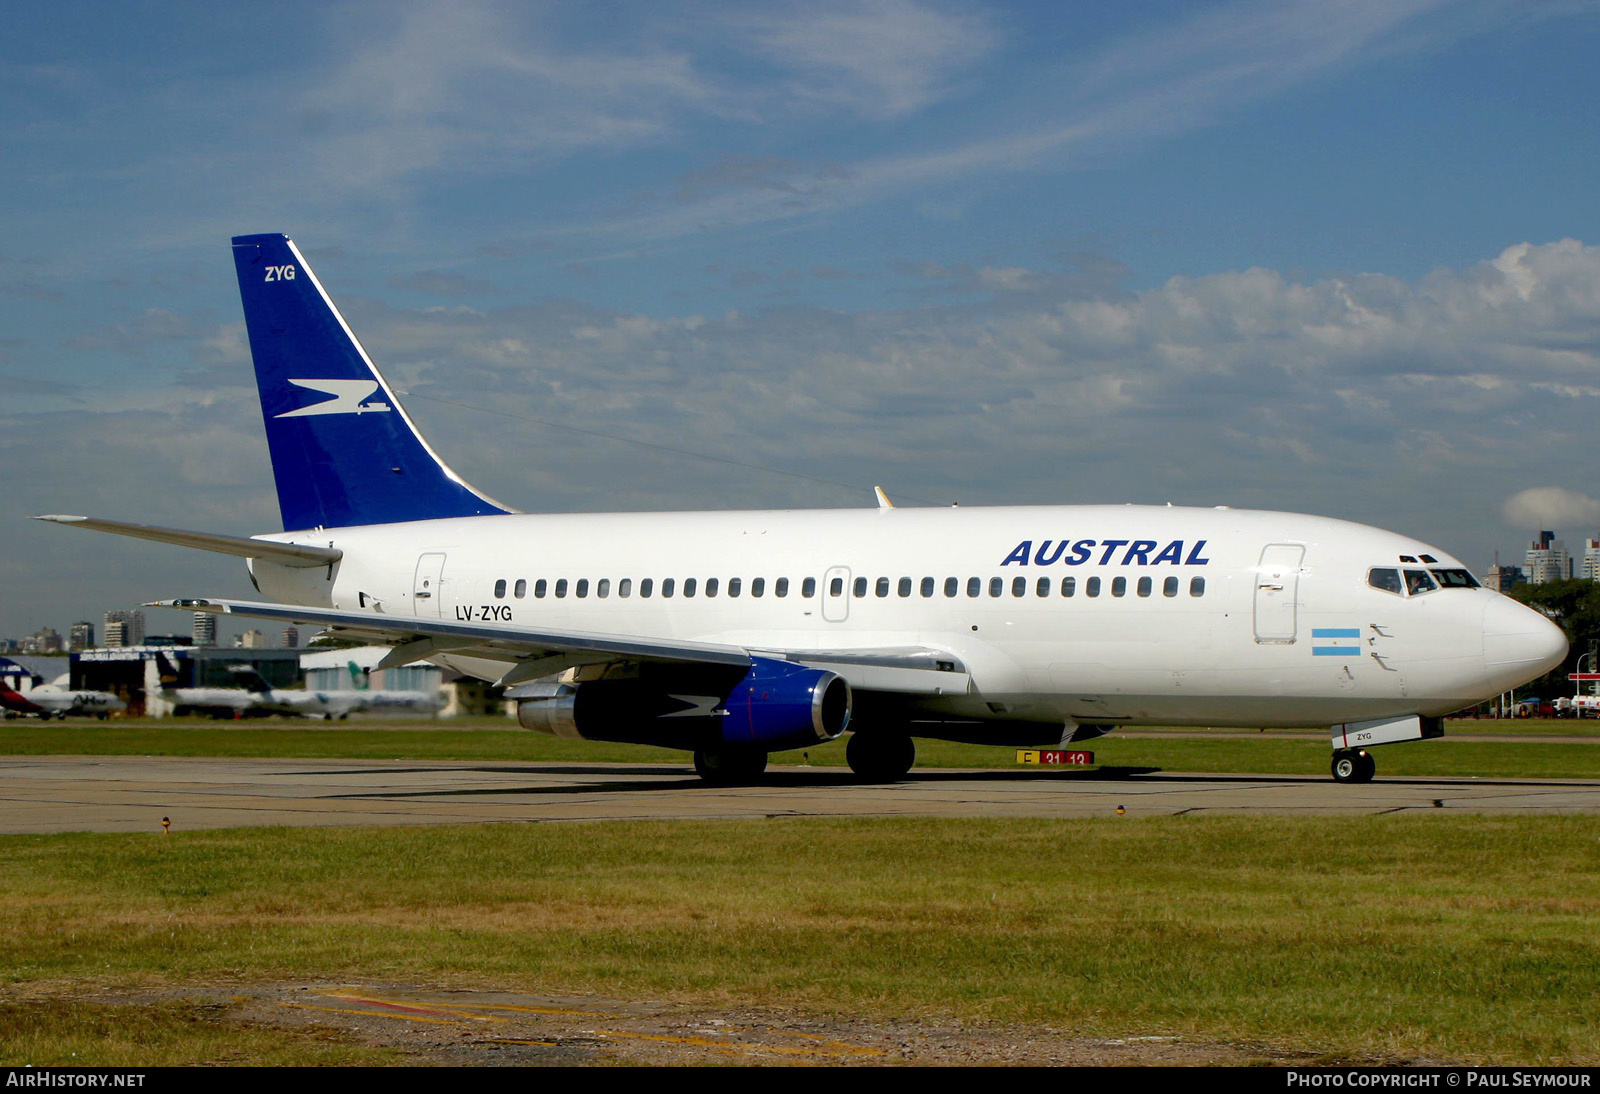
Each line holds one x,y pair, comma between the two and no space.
1519,644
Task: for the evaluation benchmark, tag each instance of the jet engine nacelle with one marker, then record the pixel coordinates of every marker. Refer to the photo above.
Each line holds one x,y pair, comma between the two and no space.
776,705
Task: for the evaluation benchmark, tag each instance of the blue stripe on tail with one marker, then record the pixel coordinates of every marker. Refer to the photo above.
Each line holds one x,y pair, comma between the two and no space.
344,452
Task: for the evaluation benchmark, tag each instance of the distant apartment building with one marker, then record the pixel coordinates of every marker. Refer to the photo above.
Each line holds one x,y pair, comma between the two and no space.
124,629
251,640
80,636
205,630
1502,579
1547,560
291,638
1591,560
44,640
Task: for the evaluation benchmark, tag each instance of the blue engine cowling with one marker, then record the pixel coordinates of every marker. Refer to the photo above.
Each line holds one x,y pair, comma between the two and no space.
775,705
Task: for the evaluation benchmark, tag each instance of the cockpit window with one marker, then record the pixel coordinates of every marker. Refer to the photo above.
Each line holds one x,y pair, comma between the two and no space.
1454,579
1385,579
1418,581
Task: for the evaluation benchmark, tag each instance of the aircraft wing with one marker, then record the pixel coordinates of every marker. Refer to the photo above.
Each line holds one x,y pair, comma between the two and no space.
531,653
529,650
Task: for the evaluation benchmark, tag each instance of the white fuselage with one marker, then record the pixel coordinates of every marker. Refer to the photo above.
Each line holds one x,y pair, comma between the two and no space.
1177,615
52,699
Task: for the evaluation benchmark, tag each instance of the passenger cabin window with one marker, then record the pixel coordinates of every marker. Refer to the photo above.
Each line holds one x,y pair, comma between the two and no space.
974,586
647,586
1119,586
758,586
688,586
997,586
781,587
904,586
1381,577
952,586
808,587
500,589
1044,587
1145,586
1197,586
835,587
1069,585
1019,586
540,587
927,588
734,585
583,586
861,587
625,587
711,586
667,585
1418,582
561,586
1091,587
521,589
1169,587
603,588
882,587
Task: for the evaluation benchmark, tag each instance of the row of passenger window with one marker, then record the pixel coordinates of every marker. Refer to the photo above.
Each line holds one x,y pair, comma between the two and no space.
927,587
647,587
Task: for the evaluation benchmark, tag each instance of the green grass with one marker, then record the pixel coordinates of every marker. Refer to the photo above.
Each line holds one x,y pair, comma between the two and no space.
1375,938
490,740
73,1033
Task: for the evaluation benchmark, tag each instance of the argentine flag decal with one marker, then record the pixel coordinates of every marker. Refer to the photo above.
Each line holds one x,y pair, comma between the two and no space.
1335,642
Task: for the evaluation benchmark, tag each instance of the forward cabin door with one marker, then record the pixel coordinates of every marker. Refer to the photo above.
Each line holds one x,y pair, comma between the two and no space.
1277,591
427,591
836,594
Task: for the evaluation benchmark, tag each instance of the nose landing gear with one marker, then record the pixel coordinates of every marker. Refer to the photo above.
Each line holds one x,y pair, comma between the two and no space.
1354,766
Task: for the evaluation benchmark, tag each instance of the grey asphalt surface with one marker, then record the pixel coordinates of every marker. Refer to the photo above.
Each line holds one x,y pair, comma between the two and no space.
133,794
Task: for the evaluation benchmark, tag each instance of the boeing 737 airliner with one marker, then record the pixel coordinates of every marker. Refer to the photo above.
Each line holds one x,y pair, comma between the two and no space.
737,634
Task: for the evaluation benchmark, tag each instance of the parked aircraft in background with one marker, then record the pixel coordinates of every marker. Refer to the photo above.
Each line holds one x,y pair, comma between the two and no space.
736,634
53,700
371,700
254,698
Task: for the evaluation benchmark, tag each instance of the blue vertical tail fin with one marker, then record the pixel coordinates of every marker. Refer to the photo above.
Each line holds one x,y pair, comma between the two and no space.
344,452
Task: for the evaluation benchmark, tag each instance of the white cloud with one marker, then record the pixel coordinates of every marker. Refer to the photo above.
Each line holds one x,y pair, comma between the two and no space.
880,58
1550,507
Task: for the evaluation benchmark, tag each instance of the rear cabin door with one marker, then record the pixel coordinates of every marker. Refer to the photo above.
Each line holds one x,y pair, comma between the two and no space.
426,592
1277,590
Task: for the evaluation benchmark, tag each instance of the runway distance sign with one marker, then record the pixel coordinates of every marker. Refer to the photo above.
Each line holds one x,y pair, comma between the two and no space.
1055,757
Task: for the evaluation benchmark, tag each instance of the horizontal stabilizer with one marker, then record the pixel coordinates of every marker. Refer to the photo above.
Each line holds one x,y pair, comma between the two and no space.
284,554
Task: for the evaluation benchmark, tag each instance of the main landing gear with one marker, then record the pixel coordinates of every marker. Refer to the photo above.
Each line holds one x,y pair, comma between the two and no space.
880,757
729,766
1354,766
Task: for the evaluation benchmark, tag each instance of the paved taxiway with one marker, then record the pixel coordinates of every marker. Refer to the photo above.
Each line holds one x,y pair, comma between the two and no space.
131,794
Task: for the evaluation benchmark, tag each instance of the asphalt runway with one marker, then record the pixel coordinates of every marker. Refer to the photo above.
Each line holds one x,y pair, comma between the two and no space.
133,794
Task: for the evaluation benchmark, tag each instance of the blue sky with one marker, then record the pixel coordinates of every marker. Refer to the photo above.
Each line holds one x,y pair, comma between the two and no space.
1333,257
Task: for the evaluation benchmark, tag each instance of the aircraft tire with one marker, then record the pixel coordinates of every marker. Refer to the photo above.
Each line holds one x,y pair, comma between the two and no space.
880,757
729,767
1353,766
